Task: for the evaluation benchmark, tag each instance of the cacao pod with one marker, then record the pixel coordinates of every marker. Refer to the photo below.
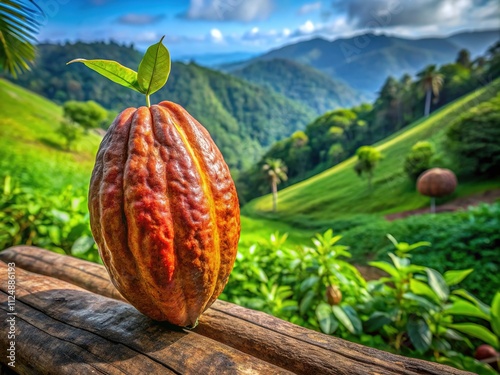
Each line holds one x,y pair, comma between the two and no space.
485,351
164,212
437,182
333,295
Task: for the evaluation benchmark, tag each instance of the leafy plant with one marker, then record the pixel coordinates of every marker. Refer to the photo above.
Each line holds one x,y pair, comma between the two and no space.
151,76
418,159
59,223
18,26
368,157
419,309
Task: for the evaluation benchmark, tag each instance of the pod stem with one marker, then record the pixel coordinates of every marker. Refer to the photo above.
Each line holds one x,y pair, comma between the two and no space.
148,103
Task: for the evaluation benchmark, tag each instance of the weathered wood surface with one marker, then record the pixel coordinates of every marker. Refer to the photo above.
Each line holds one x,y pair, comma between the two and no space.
65,329
224,326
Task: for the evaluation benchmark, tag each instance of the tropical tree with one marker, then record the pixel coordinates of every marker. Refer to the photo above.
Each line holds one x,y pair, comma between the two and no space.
70,132
368,157
19,22
431,82
88,115
276,172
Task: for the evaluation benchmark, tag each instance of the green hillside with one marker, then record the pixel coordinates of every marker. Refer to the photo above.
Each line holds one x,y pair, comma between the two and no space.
243,118
30,148
301,83
339,191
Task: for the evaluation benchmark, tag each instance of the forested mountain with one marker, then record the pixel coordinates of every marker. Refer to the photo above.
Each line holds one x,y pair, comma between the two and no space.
365,61
243,118
302,83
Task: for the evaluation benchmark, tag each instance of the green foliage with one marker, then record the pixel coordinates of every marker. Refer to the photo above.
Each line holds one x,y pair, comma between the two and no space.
59,222
368,157
460,240
70,132
19,22
89,115
414,310
419,159
473,139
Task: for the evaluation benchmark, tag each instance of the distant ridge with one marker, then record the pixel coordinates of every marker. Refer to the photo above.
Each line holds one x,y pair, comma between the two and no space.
365,61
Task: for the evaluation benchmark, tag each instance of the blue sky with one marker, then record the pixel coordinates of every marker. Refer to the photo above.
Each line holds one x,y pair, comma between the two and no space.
220,26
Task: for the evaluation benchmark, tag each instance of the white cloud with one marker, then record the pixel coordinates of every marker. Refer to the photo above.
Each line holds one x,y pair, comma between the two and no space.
307,28
139,19
309,8
380,14
229,10
216,36
147,37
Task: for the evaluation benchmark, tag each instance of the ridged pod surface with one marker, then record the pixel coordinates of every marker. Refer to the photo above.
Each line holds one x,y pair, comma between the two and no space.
164,212
437,182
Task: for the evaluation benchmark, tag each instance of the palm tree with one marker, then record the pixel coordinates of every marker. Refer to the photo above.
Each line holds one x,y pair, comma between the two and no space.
19,22
431,81
276,171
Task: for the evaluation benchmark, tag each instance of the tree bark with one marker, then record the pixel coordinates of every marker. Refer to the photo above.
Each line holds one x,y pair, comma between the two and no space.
428,102
275,194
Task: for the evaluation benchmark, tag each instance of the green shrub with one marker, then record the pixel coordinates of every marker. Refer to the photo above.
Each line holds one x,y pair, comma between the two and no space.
419,159
59,223
460,240
473,139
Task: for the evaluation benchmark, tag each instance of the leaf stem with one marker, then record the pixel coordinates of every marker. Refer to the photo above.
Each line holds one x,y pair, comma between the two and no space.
148,103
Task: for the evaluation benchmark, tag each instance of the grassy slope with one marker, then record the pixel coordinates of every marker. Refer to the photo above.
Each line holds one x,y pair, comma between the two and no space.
339,191
31,151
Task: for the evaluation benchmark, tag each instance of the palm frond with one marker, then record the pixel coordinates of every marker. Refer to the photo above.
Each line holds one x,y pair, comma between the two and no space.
19,23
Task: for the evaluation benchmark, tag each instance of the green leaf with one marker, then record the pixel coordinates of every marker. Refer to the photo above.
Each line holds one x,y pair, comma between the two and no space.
461,307
154,68
422,289
422,302
386,267
495,314
376,321
113,71
465,294
326,319
437,283
454,277
345,318
82,245
306,302
477,331
308,283
353,317
399,263
419,333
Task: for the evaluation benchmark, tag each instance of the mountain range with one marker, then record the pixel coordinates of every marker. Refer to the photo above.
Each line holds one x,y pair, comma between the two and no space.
365,61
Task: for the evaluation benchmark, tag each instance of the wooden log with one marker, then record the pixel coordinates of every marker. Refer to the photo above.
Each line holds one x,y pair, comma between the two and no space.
64,329
289,346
